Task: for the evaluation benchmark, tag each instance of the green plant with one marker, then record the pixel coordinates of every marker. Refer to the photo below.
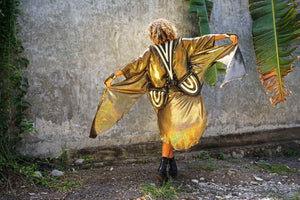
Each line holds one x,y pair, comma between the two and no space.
203,156
208,164
203,9
291,152
13,88
221,156
145,161
65,185
275,30
296,196
247,166
274,168
88,159
234,160
166,190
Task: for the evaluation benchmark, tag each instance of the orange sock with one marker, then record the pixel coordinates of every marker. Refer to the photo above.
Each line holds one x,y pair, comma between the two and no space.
167,150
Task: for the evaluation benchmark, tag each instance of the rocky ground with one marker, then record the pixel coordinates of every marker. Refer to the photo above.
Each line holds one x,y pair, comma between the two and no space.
201,176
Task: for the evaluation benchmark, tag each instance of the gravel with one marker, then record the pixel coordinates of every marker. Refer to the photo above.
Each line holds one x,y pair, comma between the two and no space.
198,178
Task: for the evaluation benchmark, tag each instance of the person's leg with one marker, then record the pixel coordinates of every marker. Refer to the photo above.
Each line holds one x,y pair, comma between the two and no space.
166,152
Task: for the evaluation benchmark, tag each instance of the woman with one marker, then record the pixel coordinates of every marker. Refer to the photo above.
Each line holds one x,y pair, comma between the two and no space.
171,72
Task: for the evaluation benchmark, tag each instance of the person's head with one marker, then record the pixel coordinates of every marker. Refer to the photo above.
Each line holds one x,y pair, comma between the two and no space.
161,31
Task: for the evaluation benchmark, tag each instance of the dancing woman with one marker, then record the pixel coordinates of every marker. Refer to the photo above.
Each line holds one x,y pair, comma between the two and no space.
171,72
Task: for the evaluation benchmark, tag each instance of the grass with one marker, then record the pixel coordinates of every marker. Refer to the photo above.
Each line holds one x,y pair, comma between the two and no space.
274,168
66,185
247,166
88,159
289,153
27,167
295,197
234,160
209,164
166,190
221,156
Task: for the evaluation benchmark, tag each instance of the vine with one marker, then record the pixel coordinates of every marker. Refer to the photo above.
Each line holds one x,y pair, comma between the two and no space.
13,88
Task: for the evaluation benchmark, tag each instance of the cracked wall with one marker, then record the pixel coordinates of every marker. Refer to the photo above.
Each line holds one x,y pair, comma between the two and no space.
73,46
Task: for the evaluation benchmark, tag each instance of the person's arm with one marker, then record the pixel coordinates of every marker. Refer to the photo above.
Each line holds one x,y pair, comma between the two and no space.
131,69
232,37
112,77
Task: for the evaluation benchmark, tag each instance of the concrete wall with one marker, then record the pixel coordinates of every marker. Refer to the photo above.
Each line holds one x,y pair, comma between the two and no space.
73,45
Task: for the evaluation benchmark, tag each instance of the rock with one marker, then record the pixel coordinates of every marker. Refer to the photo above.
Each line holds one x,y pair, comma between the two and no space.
31,194
99,164
237,155
278,149
253,183
195,181
57,173
202,179
79,161
231,171
258,179
298,159
111,169
38,174
233,154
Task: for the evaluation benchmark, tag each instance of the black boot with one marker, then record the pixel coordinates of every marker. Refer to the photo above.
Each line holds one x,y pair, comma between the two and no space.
161,174
172,167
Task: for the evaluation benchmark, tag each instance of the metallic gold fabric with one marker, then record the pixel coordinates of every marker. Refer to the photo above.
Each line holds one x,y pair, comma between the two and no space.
182,120
117,101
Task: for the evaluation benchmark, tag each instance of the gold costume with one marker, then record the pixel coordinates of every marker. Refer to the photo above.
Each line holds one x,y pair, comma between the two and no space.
182,120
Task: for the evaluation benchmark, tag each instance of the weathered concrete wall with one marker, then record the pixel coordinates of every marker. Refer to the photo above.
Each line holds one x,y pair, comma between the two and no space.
74,45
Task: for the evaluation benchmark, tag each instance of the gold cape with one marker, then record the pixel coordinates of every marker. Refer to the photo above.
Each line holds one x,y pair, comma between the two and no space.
182,120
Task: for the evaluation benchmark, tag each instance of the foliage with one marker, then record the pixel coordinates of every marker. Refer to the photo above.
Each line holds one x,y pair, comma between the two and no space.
221,156
274,168
88,159
275,31
203,9
166,190
209,163
13,87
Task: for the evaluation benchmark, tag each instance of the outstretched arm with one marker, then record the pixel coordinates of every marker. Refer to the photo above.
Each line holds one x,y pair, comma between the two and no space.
132,69
233,38
112,77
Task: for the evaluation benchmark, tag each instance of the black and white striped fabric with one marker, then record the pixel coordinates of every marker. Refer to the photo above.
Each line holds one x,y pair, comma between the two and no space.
166,54
190,84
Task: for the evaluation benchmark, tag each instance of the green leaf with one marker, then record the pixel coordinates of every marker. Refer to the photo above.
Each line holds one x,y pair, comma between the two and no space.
275,31
203,9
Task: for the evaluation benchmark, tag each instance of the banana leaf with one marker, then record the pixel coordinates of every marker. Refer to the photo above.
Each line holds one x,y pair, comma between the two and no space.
203,9
275,31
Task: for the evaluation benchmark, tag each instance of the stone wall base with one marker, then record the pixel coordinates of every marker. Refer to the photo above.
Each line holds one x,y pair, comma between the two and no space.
263,143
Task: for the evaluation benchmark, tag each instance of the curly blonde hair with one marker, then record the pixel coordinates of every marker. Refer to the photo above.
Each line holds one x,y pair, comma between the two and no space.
161,31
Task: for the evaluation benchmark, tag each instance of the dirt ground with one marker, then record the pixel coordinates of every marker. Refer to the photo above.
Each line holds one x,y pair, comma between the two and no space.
200,177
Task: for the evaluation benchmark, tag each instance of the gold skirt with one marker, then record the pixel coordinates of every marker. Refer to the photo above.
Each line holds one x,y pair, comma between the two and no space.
182,121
